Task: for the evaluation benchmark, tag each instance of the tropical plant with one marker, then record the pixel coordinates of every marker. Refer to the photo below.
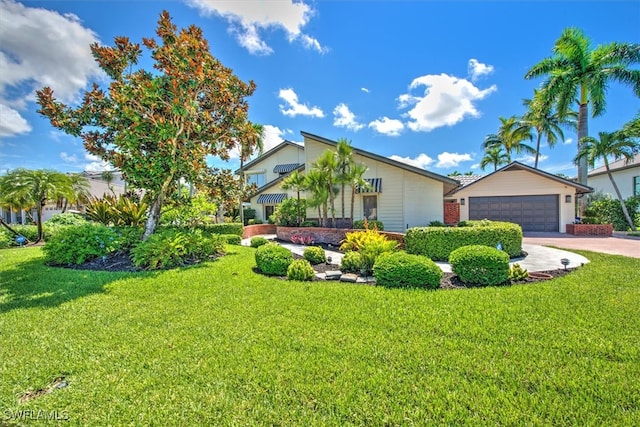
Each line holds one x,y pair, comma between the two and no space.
254,143
159,127
579,72
356,181
296,182
344,164
495,156
286,213
542,117
315,181
510,136
326,164
617,145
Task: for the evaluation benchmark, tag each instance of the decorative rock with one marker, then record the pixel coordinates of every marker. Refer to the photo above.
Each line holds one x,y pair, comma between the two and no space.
333,275
349,277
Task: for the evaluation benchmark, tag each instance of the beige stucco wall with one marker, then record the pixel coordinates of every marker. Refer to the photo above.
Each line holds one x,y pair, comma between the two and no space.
623,178
519,183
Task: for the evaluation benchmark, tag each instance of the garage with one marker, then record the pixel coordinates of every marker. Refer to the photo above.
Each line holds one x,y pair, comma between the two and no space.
533,213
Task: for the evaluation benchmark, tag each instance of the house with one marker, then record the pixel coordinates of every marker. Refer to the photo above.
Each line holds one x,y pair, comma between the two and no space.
626,176
401,196
537,200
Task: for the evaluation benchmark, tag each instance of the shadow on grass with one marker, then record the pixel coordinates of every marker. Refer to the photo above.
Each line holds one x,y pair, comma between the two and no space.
32,284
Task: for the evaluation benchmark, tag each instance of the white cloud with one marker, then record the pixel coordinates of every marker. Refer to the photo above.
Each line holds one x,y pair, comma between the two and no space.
568,141
387,126
477,69
294,108
422,161
11,122
450,160
96,164
69,158
530,158
344,118
249,18
272,136
446,101
365,90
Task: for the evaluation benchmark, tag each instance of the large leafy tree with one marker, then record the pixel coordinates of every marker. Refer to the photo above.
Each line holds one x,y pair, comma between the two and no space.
579,72
546,121
510,137
28,189
159,127
616,145
223,188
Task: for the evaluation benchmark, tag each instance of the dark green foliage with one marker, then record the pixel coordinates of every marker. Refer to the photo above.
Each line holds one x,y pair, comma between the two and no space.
272,259
232,239
170,248
609,211
78,244
258,241
66,219
352,262
300,269
309,223
254,221
480,265
286,213
226,228
31,232
128,237
438,242
5,240
517,273
403,270
463,224
437,224
249,214
371,223
314,254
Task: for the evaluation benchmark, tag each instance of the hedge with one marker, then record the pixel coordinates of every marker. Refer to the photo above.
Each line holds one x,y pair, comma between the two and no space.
480,265
437,243
226,228
403,270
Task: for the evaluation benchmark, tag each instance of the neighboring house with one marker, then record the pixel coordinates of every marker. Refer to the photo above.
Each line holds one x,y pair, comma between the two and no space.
626,175
537,200
401,196
98,187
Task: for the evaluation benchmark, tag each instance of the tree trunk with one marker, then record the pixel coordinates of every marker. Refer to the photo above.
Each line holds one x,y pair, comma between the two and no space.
241,186
625,211
535,165
333,205
5,225
342,196
583,131
154,216
353,202
39,222
298,208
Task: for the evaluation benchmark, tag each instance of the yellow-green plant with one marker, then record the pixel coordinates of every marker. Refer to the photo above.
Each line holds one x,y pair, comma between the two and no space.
370,244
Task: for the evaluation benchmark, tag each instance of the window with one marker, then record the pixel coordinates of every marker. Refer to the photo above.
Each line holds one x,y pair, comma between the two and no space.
268,211
258,179
636,185
370,207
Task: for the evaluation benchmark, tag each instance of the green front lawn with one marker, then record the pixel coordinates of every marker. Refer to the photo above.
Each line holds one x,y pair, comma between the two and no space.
218,344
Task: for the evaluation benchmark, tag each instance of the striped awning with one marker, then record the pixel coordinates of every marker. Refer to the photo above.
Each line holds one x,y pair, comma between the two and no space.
286,168
271,198
375,186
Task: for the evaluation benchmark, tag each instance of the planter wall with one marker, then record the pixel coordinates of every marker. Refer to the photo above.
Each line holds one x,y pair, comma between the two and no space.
601,230
257,229
328,235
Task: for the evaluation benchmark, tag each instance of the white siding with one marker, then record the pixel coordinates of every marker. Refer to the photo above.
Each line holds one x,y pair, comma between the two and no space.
623,178
422,200
286,155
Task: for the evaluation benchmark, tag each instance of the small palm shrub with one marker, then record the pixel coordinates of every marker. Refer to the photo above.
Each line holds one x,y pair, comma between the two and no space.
370,244
232,239
76,245
403,270
351,262
480,265
272,259
314,254
258,241
300,269
517,273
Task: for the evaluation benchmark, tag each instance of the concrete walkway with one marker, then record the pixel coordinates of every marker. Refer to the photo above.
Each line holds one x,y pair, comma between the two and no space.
539,258
619,244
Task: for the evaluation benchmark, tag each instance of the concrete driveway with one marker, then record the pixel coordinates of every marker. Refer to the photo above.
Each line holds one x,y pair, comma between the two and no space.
619,244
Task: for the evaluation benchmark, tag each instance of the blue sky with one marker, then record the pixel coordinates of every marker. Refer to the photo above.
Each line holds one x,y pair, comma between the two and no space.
419,81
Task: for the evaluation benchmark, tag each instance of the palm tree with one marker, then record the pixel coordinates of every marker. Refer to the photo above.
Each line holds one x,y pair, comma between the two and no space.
511,133
616,145
254,143
78,190
297,182
577,71
316,182
344,163
326,164
28,189
547,122
356,180
494,156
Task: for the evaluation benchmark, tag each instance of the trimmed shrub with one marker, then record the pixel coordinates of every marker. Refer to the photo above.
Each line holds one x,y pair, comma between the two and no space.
403,270
258,241
226,228
361,224
300,269
314,254
66,219
517,273
272,259
231,239
76,245
437,243
480,265
31,231
287,212
608,210
351,262
437,224
309,223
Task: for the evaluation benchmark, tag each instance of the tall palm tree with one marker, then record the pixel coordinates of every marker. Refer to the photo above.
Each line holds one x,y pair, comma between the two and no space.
28,189
296,182
542,117
511,134
356,181
254,143
577,71
315,181
494,156
78,190
327,164
616,145
344,163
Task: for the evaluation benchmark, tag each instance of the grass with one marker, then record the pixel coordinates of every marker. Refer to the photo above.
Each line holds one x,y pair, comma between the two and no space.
218,344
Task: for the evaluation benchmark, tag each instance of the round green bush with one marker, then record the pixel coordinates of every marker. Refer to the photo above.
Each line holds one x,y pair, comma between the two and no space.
314,254
75,245
480,265
272,259
300,269
66,219
352,262
258,241
403,270
232,239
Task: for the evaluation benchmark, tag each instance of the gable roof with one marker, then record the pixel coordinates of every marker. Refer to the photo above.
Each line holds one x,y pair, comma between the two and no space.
513,166
465,180
270,153
619,164
278,180
449,183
